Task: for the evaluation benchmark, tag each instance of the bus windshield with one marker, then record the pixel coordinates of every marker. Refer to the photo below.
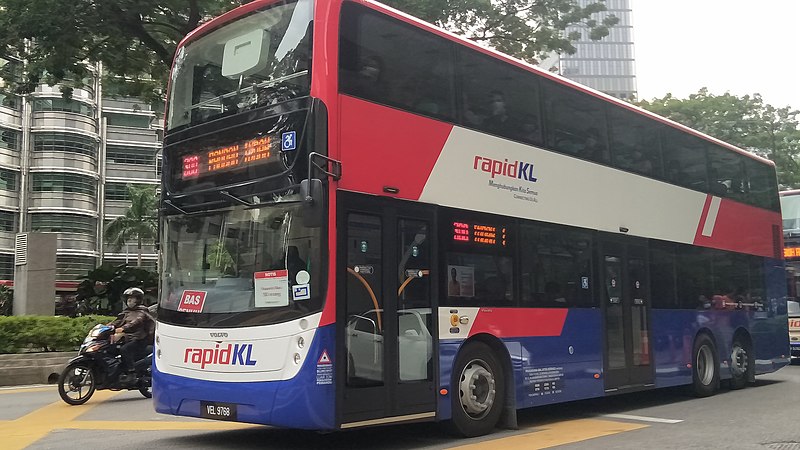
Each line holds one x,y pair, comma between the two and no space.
258,60
790,208
241,267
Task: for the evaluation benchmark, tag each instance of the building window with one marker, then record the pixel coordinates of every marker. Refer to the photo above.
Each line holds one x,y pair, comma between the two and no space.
74,267
128,120
64,142
62,105
8,180
8,221
64,182
63,223
119,191
6,267
9,139
131,155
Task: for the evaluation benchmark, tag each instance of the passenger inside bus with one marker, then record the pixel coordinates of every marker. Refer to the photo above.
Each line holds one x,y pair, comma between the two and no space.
498,120
640,163
369,80
593,149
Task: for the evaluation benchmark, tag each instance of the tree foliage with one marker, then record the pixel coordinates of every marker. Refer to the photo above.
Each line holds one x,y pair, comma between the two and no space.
101,291
139,224
746,122
135,39
527,29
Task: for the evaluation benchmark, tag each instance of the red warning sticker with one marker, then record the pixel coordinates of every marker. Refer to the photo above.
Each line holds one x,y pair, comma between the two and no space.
324,358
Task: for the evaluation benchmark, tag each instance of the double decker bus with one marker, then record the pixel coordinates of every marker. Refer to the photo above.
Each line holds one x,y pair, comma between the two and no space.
790,210
368,220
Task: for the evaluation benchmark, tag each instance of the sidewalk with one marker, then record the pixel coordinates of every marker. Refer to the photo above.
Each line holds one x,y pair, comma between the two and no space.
32,368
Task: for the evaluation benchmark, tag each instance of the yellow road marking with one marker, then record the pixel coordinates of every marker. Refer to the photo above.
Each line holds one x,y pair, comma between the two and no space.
22,432
26,390
558,433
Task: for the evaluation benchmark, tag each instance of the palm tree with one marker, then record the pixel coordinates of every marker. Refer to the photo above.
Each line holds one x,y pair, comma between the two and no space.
140,222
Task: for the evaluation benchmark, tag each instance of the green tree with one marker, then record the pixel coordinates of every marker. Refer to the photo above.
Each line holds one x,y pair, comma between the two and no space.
527,29
746,122
135,39
139,224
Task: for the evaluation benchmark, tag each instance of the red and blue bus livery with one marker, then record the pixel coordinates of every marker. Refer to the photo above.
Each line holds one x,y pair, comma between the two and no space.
367,220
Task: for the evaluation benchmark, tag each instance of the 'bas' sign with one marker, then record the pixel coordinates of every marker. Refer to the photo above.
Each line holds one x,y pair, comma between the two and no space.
192,301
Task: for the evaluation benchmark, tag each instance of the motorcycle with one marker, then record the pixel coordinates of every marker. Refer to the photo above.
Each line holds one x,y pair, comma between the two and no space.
99,366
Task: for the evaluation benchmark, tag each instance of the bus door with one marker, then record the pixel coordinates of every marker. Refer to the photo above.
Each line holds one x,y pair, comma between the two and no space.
386,253
626,308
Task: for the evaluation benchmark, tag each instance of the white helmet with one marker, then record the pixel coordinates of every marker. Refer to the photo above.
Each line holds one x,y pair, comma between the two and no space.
134,292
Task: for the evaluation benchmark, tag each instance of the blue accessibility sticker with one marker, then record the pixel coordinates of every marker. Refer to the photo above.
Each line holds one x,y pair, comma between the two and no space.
301,292
288,141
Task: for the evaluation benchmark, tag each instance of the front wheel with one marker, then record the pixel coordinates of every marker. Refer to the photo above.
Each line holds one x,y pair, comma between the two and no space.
146,391
705,376
478,391
76,384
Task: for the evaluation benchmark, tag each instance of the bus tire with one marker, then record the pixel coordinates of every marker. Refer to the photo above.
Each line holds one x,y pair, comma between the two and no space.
478,391
705,367
741,363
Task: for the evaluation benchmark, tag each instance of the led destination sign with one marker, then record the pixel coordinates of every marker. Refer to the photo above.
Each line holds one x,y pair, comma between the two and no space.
224,159
791,252
479,234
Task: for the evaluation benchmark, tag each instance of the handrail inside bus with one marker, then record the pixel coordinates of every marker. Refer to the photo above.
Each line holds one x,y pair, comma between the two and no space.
408,280
371,294
240,90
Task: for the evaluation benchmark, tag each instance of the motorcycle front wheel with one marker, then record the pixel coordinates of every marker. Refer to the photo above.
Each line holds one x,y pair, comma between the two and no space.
76,384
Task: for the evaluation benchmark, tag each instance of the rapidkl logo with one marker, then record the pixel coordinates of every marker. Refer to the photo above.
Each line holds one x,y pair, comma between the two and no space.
232,355
517,169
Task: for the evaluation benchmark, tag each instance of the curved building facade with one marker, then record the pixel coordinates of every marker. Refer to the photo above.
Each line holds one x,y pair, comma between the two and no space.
64,168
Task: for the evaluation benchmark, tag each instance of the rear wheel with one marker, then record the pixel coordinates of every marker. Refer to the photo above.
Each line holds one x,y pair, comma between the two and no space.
478,391
741,365
76,384
705,374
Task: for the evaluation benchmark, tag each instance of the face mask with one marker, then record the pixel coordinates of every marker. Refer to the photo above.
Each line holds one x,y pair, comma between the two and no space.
132,303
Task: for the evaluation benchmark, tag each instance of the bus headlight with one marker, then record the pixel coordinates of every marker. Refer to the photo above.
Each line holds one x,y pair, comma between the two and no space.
301,342
297,358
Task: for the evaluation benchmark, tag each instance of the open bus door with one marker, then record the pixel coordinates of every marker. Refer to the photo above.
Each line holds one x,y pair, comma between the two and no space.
386,326
626,310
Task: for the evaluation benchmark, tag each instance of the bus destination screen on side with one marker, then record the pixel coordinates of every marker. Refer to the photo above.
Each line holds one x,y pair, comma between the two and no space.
484,235
225,159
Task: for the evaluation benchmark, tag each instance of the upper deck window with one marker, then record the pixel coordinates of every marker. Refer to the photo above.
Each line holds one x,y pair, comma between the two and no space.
255,61
387,61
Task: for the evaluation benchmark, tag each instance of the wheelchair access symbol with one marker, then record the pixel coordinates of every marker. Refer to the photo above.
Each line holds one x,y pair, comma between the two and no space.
288,141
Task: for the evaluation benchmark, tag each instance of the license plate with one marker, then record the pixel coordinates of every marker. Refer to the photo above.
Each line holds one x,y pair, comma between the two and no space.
218,411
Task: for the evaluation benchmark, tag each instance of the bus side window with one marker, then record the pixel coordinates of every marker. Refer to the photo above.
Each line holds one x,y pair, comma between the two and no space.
555,266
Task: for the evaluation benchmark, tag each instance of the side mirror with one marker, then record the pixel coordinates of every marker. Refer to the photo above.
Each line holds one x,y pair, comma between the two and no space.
313,203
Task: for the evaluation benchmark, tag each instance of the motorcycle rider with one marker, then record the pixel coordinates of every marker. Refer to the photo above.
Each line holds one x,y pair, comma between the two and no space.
133,326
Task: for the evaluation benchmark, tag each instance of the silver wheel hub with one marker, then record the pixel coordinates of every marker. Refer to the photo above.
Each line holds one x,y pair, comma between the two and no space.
739,361
477,389
705,365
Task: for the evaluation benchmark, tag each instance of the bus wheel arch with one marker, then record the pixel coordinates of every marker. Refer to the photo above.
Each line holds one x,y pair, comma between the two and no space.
742,360
485,359
705,365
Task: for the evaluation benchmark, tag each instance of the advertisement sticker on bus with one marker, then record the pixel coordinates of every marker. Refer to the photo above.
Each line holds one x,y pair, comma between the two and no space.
462,281
272,288
192,301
